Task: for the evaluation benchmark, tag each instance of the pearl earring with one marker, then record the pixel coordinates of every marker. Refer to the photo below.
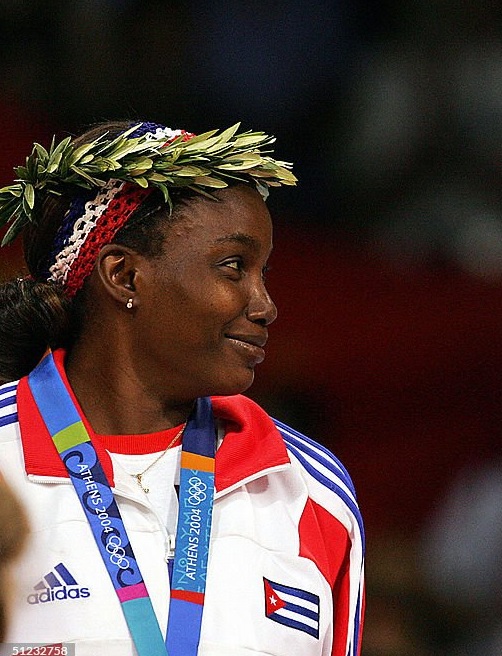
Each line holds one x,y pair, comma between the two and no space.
129,304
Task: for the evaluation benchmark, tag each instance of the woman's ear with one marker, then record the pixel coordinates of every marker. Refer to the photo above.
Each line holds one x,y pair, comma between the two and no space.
117,269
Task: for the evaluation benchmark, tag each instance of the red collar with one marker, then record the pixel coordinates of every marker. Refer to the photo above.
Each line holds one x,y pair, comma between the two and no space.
252,442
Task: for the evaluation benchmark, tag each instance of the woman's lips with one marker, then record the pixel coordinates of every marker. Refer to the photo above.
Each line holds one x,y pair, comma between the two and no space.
252,346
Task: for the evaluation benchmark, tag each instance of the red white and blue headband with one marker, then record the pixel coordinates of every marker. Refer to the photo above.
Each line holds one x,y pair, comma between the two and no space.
94,219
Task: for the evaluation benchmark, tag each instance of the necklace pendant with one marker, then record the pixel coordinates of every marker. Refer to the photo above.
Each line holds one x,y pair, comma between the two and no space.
138,478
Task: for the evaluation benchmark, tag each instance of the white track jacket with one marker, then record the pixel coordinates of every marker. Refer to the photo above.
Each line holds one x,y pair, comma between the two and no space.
285,523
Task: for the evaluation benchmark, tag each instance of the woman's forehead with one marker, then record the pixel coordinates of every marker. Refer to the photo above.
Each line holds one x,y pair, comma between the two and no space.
239,215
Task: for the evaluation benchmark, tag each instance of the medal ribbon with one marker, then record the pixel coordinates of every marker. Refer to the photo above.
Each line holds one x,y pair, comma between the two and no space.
188,581
79,456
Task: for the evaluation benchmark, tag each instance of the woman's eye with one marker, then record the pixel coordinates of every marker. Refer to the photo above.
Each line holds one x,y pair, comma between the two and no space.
236,265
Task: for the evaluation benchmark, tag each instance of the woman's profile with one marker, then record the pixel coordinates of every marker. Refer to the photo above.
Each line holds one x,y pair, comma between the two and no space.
169,513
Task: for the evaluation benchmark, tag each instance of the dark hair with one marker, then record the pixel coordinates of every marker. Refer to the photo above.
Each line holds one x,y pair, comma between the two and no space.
35,314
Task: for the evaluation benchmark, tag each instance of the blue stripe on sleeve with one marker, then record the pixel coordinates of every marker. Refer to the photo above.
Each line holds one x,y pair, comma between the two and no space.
331,485
8,387
9,400
312,447
8,419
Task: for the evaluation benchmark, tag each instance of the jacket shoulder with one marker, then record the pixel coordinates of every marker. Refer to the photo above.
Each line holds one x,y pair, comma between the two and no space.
327,480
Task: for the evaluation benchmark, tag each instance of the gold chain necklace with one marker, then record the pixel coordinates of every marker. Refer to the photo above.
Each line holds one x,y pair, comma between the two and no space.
139,476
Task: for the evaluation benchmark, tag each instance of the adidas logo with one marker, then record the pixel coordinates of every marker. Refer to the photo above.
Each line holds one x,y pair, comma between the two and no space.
57,585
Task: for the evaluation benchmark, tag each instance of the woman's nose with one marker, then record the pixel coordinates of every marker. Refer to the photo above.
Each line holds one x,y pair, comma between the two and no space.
261,308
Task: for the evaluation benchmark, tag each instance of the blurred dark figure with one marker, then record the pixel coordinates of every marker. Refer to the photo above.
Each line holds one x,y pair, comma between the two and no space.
461,556
13,534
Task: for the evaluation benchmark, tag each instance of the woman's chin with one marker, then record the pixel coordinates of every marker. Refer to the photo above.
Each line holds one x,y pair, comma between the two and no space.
235,384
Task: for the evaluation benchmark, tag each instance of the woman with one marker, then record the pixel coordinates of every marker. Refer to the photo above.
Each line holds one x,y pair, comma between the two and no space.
147,250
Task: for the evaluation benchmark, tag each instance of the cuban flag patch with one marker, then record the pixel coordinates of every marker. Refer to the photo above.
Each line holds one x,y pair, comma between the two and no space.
292,607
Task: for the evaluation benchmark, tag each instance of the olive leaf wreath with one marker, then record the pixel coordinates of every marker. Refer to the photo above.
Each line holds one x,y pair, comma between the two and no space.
203,162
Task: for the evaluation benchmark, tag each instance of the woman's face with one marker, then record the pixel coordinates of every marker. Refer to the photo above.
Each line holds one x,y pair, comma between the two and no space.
201,322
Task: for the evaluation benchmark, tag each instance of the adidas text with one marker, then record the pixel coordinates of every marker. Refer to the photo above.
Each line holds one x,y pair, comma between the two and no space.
57,595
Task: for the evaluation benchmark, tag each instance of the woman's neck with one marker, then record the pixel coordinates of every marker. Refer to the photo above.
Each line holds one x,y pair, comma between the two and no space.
116,400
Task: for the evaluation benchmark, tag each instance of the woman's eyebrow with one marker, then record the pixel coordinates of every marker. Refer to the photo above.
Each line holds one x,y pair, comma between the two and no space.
240,238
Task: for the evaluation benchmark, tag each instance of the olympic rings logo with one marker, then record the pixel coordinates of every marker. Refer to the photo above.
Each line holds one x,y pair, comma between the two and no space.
196,491
117,552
